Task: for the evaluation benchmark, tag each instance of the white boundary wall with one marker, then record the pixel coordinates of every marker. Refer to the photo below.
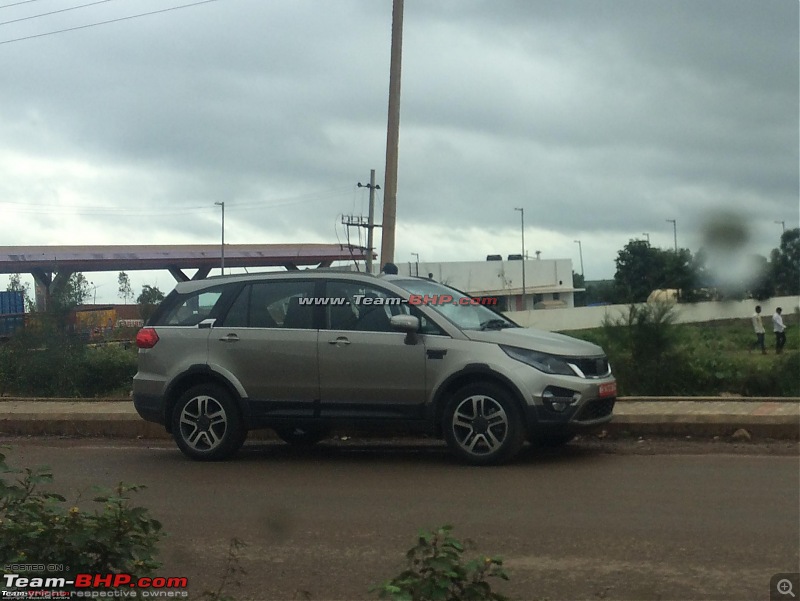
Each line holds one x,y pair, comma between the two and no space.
579,318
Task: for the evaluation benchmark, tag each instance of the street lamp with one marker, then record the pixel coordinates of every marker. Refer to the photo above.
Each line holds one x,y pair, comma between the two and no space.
580,251
95,292
222,247
522,229
783,224
417,264
674,232
647,235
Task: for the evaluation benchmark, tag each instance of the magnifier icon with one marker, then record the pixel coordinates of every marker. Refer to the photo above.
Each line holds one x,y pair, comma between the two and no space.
784,587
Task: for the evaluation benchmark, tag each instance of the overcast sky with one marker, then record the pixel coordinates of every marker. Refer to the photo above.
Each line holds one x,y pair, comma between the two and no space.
601,118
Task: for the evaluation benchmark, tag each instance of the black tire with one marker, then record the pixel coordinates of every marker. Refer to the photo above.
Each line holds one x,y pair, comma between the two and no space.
482,424
302,437
206,424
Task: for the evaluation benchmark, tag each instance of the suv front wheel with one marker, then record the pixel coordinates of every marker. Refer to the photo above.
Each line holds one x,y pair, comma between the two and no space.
206,424
482,424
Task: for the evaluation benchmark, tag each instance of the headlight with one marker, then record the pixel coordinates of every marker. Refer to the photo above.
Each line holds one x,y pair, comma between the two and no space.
549,364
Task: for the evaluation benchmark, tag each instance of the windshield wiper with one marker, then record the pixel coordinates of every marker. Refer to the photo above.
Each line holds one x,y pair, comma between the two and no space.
496,324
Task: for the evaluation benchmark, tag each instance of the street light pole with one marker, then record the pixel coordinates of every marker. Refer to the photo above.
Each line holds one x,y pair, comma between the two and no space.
647,235
783,225
674,232
522,229
580,252
222,247
417,264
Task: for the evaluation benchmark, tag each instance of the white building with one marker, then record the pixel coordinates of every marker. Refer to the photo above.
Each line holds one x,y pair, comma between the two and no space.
548,282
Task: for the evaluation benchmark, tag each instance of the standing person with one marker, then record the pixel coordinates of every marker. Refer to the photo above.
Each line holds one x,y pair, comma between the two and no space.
779,329
758,327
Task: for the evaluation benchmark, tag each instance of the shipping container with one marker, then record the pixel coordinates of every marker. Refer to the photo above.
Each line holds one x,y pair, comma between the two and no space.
12,303
12,309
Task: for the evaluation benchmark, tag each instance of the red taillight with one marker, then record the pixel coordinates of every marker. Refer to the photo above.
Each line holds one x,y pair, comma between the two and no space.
146,338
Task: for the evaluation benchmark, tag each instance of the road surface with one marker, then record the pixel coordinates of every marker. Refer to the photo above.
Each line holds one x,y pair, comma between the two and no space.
594,520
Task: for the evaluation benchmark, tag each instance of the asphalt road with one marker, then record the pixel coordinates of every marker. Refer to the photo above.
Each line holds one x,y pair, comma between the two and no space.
587,522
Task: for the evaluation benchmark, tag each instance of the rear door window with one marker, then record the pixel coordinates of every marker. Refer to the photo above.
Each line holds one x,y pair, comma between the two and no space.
281,304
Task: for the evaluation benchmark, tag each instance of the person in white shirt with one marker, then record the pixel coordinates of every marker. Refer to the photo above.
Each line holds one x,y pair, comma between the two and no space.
758,327
779,329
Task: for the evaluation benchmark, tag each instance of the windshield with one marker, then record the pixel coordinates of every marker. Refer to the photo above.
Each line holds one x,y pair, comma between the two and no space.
468,313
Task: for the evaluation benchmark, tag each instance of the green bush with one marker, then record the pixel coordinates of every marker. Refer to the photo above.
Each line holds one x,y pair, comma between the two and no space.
436,572
38,527
106,369
651,355
48,365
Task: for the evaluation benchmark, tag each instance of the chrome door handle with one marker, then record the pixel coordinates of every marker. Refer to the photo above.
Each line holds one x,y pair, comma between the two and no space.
230,338
340,341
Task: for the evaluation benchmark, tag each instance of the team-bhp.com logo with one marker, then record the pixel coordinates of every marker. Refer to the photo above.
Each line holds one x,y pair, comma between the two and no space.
120,586
414,300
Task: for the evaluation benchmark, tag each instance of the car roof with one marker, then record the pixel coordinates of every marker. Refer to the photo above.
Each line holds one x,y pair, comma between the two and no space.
315,274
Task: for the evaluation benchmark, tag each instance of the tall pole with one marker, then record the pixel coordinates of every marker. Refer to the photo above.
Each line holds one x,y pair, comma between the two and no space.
522,229
580,252
371,219
783,224
647,235
417,264
392,136
674,232
222,247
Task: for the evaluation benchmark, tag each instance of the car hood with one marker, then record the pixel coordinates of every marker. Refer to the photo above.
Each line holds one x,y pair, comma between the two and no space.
537,340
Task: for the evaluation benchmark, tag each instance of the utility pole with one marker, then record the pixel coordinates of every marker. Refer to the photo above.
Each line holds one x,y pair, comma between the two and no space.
392,137
371,219
222,248
674,232
522,225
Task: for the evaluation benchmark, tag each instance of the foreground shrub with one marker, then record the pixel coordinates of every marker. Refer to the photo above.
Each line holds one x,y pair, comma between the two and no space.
38,527
436,572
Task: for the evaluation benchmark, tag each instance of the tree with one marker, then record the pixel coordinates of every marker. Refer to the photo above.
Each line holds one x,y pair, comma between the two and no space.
15,285
148,300
75,291
786,264
642,269
125,291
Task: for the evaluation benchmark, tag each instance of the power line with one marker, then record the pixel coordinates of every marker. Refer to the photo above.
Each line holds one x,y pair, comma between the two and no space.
18,3
155,12
60,209
54,12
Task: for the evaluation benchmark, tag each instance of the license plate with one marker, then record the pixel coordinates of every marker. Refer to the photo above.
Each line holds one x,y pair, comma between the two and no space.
608,389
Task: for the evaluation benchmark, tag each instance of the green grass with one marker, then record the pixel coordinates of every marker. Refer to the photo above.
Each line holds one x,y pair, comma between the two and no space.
710,358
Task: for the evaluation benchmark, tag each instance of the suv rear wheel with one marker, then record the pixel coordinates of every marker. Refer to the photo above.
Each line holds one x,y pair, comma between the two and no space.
206,424
482,424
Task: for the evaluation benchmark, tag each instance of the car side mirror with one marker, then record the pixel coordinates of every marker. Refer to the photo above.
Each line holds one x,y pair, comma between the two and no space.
408,324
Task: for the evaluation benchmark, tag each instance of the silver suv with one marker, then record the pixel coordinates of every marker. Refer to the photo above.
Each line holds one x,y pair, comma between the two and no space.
305,352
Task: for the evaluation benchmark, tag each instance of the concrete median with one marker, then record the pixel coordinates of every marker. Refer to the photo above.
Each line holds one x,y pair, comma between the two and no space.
775,418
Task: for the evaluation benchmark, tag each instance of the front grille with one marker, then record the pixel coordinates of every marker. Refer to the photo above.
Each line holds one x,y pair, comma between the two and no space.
591,367
596,410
